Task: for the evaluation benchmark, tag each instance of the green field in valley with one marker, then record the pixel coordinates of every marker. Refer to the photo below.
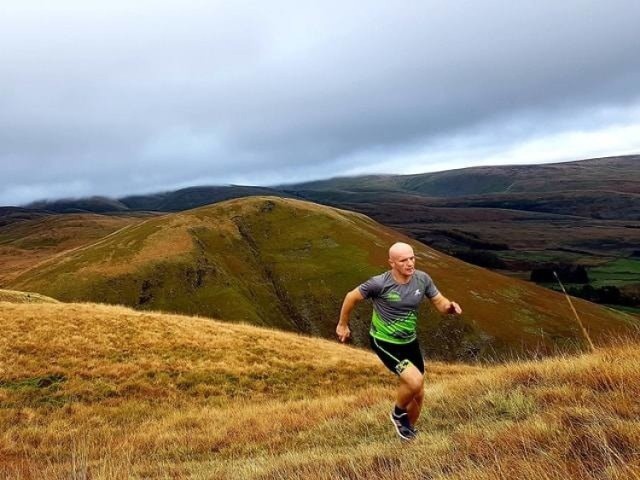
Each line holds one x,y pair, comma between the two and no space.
621,272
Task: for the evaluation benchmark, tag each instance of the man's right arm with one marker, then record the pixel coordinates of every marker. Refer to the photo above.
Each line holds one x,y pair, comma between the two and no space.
350,300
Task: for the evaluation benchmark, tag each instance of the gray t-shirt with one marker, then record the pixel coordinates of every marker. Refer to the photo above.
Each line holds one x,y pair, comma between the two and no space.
395,305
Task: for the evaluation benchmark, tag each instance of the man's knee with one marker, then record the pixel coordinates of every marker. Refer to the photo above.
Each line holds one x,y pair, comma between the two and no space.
417,385
413,379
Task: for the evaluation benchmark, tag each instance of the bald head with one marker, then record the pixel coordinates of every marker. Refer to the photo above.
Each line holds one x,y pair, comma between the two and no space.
402,261
399,250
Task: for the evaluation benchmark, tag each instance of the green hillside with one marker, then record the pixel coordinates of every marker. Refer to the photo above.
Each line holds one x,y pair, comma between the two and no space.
288,264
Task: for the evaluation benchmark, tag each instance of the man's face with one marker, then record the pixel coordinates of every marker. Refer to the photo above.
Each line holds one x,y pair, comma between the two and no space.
403,262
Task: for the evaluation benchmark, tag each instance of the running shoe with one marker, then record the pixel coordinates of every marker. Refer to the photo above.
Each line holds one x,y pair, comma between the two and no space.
403,426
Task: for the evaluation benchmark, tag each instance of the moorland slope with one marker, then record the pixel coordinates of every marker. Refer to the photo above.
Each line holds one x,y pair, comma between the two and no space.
286,263
28,238
104,392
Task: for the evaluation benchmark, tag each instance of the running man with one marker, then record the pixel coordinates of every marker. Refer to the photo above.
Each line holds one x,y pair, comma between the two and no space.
396,295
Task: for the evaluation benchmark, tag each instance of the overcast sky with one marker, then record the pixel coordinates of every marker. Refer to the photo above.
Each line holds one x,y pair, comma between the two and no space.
115,98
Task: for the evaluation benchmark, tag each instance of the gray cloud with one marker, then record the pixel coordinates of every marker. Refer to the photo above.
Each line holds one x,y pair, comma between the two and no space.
116,98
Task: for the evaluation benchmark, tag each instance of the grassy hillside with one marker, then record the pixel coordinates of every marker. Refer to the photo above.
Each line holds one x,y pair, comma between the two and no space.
34,238
103,392
288,264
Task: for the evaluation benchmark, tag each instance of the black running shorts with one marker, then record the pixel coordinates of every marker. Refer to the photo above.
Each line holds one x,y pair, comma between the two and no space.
397,356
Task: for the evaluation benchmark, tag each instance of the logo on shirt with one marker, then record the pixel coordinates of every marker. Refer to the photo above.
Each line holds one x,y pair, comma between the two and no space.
392,296
418,292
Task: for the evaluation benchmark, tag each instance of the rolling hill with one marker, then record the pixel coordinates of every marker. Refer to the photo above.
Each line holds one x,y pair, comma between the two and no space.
287,264
590,207
613,174
28,239
105,392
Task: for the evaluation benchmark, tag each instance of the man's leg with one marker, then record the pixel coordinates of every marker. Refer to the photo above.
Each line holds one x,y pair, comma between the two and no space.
410,393
417,380
410,388
415,407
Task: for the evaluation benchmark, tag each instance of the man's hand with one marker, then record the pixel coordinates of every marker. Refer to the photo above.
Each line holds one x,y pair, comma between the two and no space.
343,332
350,300
454,309
445,306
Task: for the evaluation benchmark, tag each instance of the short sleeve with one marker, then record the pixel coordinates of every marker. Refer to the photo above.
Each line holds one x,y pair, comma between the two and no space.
371,288
430,289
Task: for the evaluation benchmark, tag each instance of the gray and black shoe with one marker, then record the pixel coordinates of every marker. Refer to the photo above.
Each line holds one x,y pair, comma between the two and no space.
402,425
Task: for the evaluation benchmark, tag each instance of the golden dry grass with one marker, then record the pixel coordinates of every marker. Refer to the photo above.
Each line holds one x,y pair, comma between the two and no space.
103,392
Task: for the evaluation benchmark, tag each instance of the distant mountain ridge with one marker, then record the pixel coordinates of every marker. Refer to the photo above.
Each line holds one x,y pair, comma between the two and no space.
95,204
173,201
616,174
610,174
10,215
193,197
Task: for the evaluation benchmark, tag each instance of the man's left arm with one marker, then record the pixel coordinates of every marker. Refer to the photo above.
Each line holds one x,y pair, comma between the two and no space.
444,305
